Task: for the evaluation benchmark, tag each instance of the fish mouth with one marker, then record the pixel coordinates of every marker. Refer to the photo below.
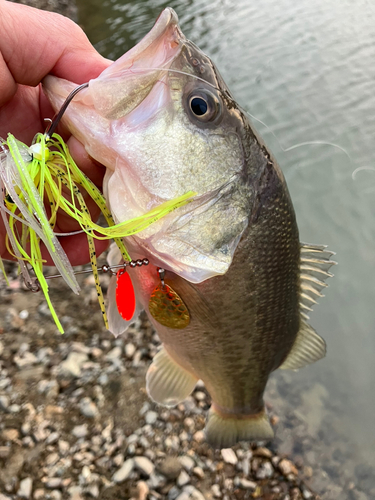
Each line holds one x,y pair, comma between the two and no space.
132,77
165,27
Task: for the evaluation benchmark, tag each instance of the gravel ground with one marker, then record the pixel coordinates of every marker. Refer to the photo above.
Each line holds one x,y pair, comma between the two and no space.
76,422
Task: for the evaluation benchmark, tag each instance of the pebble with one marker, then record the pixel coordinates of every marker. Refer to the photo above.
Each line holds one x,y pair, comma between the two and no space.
144,465
199,437
151,417
114,354
10,434
124,472
199,472
27,359
264,471
246,484
170,467
4,403
215,488
229,456
286,467
130,350
39,494
80,431
4,451
142,490
88,408
187,462
183,479
25,488
73,363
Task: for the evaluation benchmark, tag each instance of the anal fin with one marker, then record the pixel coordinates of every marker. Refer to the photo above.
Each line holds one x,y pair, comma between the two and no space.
307,348
167,383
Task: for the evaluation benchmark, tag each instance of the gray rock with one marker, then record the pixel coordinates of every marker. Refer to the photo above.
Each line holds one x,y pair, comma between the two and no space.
144,465
26,487
124,472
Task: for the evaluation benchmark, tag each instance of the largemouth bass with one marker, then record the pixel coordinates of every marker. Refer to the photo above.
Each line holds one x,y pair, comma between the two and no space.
163,122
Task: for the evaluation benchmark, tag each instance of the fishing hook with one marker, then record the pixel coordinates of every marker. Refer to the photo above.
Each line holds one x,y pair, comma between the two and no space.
56,119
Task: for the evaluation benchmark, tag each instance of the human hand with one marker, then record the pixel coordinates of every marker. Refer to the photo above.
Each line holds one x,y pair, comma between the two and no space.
34,43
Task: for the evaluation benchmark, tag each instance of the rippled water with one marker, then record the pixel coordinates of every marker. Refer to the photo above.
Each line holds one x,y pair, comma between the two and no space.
305,71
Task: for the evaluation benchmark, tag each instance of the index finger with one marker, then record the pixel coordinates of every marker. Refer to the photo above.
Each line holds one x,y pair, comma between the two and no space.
34,43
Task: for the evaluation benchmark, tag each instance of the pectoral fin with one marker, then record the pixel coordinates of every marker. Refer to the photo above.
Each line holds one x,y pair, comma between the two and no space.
167,383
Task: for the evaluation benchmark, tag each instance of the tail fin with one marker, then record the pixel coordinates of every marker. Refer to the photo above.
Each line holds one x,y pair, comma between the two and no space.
225,431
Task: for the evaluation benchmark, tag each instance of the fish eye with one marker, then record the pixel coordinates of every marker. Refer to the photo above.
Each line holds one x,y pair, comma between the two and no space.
198,106
203,105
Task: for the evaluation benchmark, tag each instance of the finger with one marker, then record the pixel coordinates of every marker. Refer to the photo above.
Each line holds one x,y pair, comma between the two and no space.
94,170
34,43
76,248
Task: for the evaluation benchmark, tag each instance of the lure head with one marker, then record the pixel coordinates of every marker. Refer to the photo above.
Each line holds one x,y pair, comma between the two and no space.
163,122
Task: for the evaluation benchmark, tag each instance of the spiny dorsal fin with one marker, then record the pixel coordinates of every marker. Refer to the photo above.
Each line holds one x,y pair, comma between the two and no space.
314,267
308,348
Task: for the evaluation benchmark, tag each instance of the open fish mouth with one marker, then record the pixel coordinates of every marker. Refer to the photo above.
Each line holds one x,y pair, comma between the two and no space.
134,75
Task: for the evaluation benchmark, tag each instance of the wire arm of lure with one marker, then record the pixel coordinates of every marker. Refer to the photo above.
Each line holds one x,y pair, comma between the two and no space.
32,284
56,119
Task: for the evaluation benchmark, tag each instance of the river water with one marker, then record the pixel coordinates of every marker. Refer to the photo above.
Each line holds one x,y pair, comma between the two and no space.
305,72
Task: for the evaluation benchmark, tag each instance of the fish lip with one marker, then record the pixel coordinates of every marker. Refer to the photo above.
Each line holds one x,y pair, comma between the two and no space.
167,19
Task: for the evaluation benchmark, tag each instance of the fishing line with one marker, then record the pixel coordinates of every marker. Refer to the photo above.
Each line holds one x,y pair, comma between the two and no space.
307,143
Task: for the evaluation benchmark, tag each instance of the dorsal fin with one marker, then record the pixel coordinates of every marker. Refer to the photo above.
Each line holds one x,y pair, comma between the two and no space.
314,270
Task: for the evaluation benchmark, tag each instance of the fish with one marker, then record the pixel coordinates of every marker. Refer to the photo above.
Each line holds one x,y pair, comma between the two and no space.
229,286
